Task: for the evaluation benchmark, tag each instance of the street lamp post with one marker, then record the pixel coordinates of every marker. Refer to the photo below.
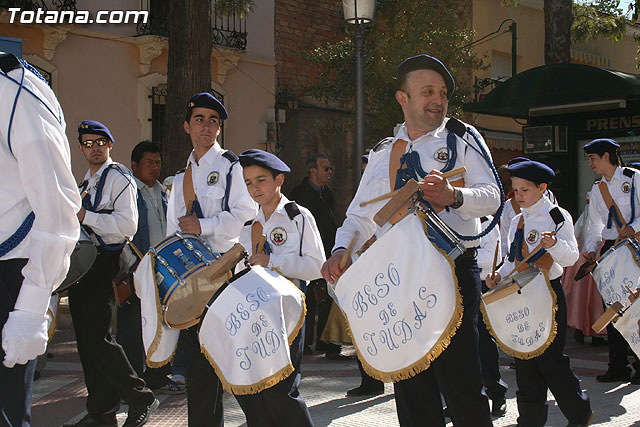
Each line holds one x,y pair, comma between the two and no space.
359,13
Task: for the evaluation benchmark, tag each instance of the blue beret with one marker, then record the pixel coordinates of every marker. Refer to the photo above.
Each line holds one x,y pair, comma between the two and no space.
253,156
531,171
426,62
95,128
517,160
599,146
206,100
635,165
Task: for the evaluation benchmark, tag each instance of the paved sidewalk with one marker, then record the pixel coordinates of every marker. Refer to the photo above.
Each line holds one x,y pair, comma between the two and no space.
59,394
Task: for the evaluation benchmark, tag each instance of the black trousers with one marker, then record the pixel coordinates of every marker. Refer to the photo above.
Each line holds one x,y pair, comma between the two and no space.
490,360
16,384
619,348
551,370
108,374
280,405
455,373
321,308
204,390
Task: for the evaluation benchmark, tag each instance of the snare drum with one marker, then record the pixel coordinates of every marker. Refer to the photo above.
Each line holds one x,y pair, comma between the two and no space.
187,274
440,233
82,259
617,270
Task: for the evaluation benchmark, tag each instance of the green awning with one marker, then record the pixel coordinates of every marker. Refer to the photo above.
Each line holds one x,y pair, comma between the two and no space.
558,85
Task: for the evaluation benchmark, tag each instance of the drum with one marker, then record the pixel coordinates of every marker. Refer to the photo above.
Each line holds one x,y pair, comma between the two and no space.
439,233
187,274
629,325
402,306
523,322
82,259
247,328
617,270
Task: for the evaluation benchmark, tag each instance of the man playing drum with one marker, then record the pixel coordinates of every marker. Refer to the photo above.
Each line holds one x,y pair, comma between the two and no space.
39,226
219,206
426,144
536,225
109,214
619,186
293,247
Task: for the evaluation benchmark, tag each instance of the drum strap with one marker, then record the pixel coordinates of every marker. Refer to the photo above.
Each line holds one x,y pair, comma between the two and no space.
190,198
515,205
397,151
256,235
519,251
614,211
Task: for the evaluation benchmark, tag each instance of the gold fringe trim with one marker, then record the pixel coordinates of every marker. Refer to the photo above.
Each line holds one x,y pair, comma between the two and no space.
438,348
269,381
552,335
158,337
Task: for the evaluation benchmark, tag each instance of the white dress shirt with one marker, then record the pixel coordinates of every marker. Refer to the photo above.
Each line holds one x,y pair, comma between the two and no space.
284,236
487,248
118,195
537,220
620,187
481,193
220,228
37,177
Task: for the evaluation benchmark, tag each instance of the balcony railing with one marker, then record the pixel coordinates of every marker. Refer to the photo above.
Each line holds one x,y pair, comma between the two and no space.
39,4
226,30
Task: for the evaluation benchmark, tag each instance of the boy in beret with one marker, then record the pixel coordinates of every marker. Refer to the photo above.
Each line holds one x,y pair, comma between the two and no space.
208,199
294,249
534,225
426,145
614,213
110,214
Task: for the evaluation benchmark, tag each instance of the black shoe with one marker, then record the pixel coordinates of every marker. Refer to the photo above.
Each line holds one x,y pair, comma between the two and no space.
307,350
598,341
498,407
139,415
337,356
582,424
612,377
578,336
365,391
98,421
321,346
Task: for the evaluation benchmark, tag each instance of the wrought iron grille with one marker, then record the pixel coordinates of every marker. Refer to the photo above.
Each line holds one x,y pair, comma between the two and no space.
159,111
228,30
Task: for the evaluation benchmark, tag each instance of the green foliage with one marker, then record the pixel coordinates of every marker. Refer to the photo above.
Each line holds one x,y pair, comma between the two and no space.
229,7
596,19
402,28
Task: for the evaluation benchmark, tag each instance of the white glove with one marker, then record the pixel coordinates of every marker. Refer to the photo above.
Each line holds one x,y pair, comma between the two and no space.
24,337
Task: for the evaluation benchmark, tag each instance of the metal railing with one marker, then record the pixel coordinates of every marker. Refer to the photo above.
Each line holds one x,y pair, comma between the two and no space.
39,4
228,30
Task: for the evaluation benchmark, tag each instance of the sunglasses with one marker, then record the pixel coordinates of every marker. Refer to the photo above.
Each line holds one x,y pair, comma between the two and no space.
100,141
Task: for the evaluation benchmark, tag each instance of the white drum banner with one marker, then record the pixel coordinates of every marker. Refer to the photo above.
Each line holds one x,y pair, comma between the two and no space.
618,269
159,341
524,323
401,302
246,331
628,325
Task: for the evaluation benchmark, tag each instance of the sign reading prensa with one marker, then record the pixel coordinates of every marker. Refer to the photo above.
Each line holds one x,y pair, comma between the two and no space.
402,307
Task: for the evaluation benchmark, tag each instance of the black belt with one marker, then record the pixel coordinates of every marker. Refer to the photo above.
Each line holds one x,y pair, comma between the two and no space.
468,255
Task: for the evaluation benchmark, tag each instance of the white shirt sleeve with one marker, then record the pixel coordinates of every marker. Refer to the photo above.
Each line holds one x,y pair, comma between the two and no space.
487,248
595,225
565,251
41,150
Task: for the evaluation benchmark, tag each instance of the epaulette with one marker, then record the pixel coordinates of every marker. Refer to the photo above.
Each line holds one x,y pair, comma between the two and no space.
248,223
292,210
230,155
382,144
483,219
556,215
628,172
181,171
9,62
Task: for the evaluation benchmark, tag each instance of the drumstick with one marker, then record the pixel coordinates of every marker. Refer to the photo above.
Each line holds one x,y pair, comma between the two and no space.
263,239
525,259
495,260
394,192
134,248
347,253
